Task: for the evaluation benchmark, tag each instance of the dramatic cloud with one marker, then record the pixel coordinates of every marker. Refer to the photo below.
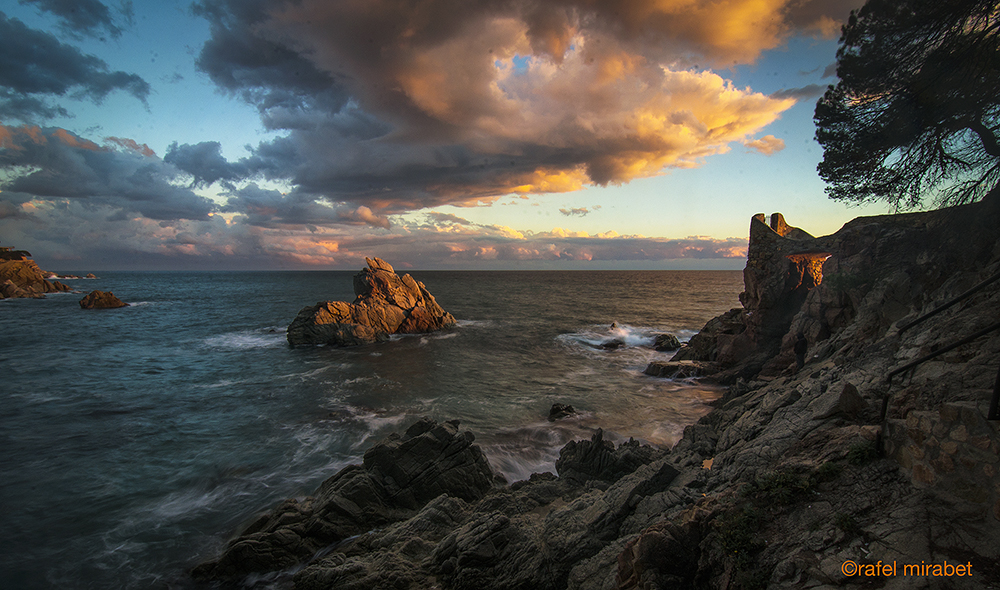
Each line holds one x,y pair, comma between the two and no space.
85,16
767,145
56,166
35,67
403,106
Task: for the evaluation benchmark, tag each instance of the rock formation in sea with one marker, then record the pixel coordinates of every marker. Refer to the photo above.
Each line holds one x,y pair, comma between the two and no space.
797,479
21,277
386,304
101,300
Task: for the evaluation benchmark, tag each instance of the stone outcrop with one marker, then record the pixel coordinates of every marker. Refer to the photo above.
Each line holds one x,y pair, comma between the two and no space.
21,277
101,300
793,474
385,304
398,479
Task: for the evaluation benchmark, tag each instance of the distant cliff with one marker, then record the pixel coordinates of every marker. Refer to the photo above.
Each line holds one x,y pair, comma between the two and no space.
21,277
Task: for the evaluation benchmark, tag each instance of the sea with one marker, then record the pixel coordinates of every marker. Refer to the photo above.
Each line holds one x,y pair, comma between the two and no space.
136,441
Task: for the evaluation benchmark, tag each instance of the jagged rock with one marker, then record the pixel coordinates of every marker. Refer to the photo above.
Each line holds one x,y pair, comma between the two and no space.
399,476
560,411
101,300
681,369
598,459
705,345
666,343
21,277
386,304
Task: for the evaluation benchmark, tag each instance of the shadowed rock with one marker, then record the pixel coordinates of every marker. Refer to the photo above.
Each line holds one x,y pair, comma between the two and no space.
101,300
398,477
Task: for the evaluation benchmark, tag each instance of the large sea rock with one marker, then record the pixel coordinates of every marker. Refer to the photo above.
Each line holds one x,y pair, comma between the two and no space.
101,300
386,304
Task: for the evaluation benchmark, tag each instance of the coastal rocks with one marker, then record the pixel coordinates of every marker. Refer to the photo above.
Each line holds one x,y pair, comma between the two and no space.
386,304
22,278
681,369
399,476
598,459
101,300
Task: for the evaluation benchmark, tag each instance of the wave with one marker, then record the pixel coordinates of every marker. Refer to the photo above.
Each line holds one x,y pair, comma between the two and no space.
612,337
270,337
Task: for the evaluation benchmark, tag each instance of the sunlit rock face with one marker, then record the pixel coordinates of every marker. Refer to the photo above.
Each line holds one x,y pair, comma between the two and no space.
20,277
386,304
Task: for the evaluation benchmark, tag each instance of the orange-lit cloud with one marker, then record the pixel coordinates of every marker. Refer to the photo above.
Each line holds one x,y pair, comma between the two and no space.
767,145
400,107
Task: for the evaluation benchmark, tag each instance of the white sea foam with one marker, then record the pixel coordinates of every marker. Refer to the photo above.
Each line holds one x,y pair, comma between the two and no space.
247,339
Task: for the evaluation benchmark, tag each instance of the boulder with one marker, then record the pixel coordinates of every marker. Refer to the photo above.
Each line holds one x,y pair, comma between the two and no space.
560,411
101,300
666,343
386,304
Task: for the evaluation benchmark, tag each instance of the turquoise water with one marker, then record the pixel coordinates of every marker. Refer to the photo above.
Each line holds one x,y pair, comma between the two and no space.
135,441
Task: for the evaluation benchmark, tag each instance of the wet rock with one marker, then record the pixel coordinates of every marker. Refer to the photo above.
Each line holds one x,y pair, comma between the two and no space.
613,344
666,343
386,304
560,411
680,369
101,300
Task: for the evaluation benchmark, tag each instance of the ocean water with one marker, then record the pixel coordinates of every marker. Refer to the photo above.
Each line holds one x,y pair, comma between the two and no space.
136,441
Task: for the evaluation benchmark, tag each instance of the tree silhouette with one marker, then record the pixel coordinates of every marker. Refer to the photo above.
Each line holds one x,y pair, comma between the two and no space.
916,112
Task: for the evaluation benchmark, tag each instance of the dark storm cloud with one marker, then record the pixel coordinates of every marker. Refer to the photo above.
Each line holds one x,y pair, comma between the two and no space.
803,93
204,161
54,165
272,209
85,16
36,67
270,74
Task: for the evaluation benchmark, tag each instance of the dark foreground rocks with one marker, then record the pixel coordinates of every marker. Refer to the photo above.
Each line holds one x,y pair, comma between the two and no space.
386,304
101,300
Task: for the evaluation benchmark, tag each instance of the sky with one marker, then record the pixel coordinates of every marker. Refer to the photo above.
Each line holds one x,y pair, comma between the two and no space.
435,134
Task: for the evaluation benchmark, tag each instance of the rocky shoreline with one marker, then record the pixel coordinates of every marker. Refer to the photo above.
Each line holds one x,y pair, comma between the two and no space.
795,475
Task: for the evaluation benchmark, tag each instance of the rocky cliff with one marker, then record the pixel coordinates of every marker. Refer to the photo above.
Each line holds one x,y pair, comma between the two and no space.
386,304
814,478
21,277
